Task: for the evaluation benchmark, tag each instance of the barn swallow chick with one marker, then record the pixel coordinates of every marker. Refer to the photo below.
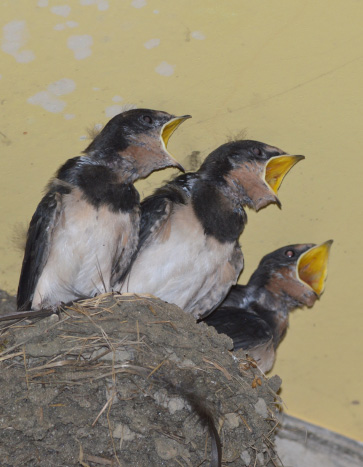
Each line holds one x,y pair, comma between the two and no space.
188,252
256,316
85,229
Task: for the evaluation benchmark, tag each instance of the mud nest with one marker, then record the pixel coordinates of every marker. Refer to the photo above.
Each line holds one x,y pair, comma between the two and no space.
124,380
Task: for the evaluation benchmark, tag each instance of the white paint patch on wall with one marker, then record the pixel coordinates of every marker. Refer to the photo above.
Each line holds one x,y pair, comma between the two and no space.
138,3
61,10
102,5
62,26
165,69
15,36
69,116
42,3
80,45
152,43
62,86
198,35
48,99
117,99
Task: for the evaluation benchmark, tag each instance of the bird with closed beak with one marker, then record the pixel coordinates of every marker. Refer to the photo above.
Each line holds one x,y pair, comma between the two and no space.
188,251
86,228
256,316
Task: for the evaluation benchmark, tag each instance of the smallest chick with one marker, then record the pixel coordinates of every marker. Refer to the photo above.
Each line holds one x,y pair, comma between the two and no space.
256,316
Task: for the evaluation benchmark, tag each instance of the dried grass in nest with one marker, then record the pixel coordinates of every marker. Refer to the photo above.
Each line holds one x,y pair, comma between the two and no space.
82,358
78,358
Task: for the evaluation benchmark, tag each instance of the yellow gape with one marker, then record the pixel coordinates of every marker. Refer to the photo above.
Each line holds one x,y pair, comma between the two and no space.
276,169
170,127
312,267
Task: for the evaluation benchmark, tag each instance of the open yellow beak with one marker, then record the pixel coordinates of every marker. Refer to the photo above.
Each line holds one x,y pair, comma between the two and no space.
169,128
276,169
312,267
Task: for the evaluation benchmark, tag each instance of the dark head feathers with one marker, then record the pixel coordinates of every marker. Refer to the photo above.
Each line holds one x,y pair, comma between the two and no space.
229,155
124,127
278,259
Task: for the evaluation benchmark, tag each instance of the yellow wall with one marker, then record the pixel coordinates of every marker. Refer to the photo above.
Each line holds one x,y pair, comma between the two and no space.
288,72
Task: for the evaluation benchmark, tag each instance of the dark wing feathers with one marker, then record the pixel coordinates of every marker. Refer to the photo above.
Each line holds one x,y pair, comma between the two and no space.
236,296
38,246
156,209
246,329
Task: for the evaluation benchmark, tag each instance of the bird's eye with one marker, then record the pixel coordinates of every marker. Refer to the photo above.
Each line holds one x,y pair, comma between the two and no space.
256,151
147,119
289,253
